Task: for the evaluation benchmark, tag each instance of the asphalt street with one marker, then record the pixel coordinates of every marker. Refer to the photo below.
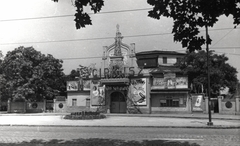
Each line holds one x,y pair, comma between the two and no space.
37,135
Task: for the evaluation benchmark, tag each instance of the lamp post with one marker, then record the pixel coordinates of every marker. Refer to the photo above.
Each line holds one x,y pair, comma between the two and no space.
210,123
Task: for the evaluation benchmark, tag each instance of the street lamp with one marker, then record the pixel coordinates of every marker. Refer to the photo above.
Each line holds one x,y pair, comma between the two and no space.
210,123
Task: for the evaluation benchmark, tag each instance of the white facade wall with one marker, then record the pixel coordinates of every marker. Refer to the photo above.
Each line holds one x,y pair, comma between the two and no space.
80,99
171,59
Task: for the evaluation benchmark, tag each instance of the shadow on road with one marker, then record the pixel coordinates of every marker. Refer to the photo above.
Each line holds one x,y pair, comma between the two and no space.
100,142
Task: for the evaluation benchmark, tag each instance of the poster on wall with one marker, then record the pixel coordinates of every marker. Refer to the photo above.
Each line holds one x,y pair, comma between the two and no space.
170,83
158,83
97,94
86,85
72,85
138,89
181,82
197,102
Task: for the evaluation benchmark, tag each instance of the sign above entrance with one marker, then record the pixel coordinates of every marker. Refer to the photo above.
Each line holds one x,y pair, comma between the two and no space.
115,81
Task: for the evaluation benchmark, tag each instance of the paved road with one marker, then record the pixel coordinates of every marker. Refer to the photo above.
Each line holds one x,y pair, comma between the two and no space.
117,121
104,136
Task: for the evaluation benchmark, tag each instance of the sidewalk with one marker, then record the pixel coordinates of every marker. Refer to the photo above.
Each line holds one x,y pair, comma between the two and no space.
123,120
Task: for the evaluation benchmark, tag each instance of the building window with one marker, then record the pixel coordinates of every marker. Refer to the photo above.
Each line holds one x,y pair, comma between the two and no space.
169,102
164,60
74,102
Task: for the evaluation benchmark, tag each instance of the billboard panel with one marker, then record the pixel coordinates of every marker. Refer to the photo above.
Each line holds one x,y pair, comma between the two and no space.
138,91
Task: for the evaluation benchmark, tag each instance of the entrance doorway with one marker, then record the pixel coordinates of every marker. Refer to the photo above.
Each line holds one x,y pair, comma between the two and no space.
118,103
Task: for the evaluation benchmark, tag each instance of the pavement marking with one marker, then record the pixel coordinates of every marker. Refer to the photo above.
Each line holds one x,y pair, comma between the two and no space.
177,139
180,139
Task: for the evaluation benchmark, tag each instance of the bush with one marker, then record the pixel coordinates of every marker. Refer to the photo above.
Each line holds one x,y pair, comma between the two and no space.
85,115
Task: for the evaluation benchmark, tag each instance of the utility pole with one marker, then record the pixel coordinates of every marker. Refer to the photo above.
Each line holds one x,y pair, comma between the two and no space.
210,123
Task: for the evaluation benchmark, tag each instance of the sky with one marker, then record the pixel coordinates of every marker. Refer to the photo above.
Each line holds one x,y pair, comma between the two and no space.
59,37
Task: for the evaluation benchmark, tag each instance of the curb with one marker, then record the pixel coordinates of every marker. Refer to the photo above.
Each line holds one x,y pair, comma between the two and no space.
182,117
130,115
121,115
190,127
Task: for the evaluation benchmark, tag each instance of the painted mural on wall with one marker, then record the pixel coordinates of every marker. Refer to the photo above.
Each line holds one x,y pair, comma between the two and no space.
97,94
170,83
139,89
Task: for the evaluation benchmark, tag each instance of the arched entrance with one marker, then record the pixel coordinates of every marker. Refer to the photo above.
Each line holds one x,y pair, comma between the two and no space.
118,103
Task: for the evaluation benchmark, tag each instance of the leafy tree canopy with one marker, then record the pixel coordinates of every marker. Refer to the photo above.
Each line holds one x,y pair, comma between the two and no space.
188,16
81,17
221,73
81,72
74,75
30,75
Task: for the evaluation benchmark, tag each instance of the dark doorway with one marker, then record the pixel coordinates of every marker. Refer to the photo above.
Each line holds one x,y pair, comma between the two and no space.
118,103
214,106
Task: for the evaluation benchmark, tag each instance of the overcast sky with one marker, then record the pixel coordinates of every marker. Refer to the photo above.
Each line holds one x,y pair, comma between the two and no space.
59,37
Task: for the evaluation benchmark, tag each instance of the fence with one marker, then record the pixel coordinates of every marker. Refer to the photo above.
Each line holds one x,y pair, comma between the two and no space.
26,107
229,106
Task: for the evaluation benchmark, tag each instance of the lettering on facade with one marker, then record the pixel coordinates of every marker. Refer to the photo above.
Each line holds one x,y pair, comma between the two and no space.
113,73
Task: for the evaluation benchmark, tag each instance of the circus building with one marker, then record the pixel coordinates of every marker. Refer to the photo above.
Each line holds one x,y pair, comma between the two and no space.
129,82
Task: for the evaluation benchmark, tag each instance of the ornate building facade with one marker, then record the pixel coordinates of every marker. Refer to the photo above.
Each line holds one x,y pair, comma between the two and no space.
129,82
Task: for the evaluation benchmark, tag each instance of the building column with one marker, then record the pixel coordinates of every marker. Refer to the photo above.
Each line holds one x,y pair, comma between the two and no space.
24,107
9,106
54,107
206,104
237,104
189,103
44,105
220,104
88,104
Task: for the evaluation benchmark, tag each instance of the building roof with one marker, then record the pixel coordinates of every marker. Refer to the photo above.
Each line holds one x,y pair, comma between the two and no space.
165,69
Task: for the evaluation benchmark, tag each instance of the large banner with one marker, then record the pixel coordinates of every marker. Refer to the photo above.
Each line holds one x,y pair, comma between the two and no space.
97,94
170,83
139,89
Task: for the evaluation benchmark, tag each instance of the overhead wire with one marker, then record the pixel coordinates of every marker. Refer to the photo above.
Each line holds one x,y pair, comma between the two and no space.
88,39
78,58
100,38
223,37
60,16
228,53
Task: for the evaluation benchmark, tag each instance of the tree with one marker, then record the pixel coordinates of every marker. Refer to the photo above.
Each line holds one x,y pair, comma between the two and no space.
82,72
2,80
1,55
82,18
221,73
190,15
30,75
74,75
